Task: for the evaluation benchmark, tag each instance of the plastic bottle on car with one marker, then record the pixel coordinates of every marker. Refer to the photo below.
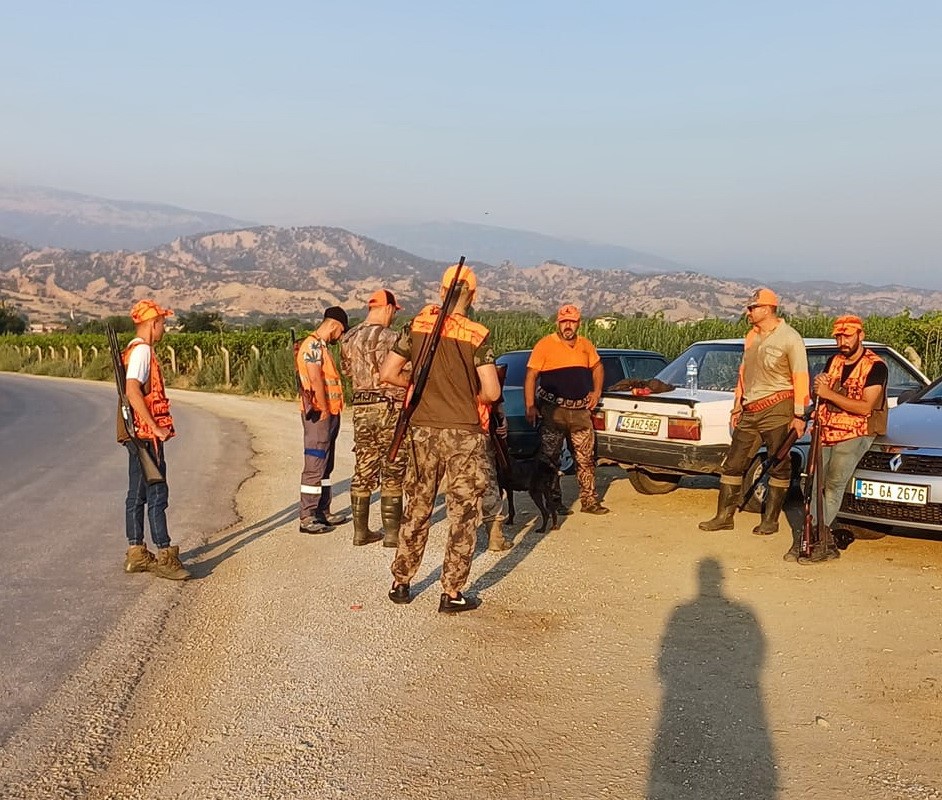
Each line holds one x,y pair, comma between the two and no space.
692,376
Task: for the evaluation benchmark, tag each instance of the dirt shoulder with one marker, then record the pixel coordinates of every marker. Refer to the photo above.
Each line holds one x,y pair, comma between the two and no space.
624,656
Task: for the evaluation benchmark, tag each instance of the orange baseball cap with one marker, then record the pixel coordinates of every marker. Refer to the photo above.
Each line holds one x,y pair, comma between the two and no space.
763,297
383,297
847,325
144,310
568,312
467,275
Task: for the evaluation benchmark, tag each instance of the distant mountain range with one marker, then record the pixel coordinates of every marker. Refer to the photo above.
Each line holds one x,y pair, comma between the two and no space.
53,218
298,271
63,253
440,241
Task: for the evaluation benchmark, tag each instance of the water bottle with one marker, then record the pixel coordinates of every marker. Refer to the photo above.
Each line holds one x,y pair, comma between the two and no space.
692,376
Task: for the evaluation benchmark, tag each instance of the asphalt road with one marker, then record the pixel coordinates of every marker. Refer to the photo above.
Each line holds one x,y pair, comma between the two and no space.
62,486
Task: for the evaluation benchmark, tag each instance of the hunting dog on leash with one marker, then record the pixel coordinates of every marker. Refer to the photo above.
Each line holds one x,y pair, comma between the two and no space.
530,475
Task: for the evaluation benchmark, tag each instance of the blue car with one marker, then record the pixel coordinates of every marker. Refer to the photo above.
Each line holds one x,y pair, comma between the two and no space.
523,439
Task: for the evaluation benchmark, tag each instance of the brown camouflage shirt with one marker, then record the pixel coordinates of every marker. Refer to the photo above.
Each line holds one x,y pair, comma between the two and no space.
362,351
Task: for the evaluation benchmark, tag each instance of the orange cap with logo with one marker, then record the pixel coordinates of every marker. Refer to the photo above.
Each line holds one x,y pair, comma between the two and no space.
847,325
383,297
763,297
144,310
568,312
467,275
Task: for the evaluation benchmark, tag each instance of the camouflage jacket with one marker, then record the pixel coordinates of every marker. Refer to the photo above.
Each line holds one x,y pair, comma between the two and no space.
362,351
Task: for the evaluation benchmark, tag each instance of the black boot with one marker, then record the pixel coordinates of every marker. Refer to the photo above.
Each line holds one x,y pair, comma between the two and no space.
774,500
725,508
360,504
323,515
822,551
390,509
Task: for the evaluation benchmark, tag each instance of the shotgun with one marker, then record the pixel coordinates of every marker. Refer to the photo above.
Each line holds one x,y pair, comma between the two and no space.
149,467
810,532
423,365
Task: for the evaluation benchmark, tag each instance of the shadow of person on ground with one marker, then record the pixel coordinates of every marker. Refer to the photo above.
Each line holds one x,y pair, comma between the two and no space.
713,739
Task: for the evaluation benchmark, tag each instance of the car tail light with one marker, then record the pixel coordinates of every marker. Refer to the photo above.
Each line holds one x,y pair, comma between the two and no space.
598,419
680,428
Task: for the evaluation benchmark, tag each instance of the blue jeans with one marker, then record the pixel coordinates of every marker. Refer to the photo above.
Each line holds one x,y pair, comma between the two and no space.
155,497
838,462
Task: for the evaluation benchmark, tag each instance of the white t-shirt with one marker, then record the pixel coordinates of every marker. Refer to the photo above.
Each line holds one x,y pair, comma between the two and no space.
138,368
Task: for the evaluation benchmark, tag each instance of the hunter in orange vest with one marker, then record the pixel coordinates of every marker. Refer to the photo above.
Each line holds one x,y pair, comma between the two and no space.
852,412
321,404
144,386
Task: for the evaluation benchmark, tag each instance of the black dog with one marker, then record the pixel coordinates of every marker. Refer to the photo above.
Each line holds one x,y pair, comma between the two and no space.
529,475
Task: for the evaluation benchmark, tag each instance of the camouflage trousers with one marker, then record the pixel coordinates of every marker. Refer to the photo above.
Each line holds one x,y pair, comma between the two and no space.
576,425
492,504
460,458
373,428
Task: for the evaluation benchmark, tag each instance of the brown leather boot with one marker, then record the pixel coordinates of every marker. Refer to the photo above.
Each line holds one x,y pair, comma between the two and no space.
390,509
169,566
360,505
725,509
139,559
496,541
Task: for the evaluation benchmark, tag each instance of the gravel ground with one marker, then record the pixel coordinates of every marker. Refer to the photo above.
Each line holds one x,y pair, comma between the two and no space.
626,656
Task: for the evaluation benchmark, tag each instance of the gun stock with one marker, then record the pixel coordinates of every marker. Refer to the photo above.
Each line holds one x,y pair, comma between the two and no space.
149,466
424,365
810,533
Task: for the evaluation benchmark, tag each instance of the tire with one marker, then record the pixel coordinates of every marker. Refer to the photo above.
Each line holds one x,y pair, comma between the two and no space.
754,506
653,482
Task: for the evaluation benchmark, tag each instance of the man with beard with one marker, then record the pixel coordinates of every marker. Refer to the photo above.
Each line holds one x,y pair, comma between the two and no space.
570,375
852,412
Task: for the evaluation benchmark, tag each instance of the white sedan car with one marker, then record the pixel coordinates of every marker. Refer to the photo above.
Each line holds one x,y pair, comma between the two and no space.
662,437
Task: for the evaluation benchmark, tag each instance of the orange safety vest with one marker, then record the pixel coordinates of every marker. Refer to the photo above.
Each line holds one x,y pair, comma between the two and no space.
461,329
332,384
155,396
838,425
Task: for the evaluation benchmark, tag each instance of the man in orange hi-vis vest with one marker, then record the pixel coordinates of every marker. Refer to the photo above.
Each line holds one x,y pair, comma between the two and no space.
852,412
144,387
321,404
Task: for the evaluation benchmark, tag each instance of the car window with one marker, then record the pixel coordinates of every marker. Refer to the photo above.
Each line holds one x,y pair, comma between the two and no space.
642,367
614,371
718,366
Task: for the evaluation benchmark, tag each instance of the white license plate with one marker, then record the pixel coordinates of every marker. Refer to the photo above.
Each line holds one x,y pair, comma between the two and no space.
638,423
891,492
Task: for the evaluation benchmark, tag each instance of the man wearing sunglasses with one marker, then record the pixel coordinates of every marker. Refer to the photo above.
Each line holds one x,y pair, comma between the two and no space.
771,396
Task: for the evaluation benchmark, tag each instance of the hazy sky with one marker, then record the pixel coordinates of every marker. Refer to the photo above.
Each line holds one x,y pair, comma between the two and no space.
743,138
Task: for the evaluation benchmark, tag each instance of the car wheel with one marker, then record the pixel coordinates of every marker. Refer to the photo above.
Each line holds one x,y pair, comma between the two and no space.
653,482
567,464
754,505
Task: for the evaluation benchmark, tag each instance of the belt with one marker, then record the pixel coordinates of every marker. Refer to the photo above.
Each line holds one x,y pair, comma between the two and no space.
556,400
367,398
768,401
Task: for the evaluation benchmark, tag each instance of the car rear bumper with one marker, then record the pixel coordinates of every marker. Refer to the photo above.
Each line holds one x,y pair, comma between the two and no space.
661,456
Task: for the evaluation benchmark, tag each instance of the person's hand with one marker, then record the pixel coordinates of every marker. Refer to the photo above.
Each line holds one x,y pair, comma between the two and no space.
822,385
798,425
734,416
161,433
501,428
533,415
592,399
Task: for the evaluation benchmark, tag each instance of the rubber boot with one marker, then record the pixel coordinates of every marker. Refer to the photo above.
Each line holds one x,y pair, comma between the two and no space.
360,504
169,566
390,510
496,541
323,515
774,500
725,509
139,559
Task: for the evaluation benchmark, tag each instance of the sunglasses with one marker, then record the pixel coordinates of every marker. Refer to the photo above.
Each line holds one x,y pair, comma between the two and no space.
754,306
